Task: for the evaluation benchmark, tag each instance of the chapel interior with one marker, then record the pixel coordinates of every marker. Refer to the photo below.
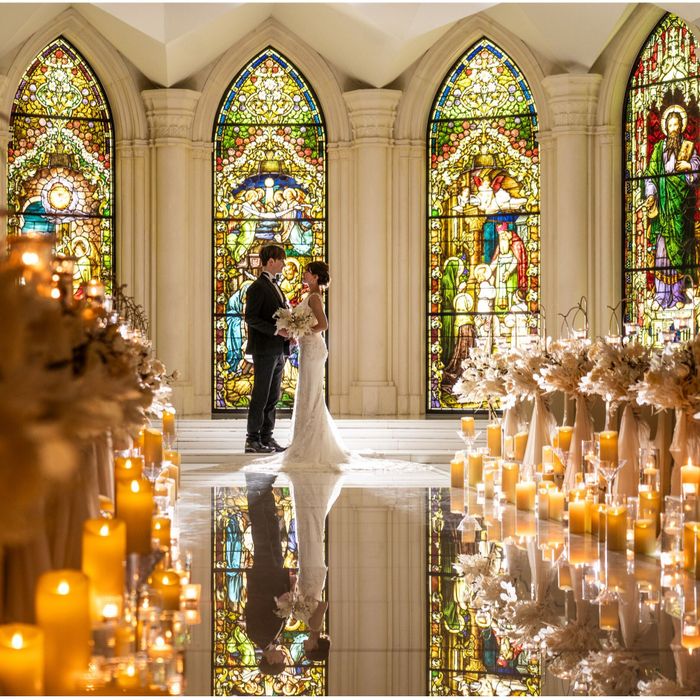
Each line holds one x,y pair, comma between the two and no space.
508,198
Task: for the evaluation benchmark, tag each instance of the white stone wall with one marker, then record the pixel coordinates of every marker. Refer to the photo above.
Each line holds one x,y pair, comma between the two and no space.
377,199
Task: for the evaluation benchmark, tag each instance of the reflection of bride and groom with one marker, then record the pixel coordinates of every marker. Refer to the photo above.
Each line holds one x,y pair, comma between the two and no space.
315,461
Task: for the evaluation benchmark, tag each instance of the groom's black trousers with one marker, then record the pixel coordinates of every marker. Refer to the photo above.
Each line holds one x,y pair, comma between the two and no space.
267,383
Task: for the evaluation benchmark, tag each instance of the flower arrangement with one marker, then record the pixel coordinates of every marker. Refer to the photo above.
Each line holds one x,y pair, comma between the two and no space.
615,369
567,363
483,378
298,322
524,372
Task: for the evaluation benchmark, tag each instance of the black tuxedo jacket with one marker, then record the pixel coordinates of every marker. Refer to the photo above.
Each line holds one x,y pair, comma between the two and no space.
262,300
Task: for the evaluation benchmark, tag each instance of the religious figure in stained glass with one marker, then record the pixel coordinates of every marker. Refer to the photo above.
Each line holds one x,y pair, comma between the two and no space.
483,215
60,180
662,176
269,186
241,568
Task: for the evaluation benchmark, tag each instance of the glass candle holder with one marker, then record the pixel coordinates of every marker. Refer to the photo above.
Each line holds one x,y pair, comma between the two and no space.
671,528
615,523
590,477
649,472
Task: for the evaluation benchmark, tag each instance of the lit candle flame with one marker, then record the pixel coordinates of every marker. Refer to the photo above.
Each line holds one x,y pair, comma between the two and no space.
30,258
104,530
63,588
110,611
135,487
55,293
17,641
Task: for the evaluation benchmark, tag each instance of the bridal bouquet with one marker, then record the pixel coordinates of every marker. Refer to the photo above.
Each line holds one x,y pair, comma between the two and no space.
298,322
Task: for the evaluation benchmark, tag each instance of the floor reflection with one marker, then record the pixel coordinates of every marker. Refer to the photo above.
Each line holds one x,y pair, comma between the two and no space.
406,621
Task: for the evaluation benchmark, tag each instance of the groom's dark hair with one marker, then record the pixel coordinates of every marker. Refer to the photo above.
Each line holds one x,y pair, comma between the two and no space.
272,252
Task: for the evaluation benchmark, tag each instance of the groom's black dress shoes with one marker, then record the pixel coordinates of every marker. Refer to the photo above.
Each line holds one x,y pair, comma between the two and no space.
257,446
272,443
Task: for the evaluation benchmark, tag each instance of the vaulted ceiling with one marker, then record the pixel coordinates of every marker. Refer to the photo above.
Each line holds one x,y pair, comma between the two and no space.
371,43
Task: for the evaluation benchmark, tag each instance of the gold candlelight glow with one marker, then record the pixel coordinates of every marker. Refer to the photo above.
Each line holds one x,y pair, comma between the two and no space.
21,660
135,508
525,495
493,439
608,446
457,471
476,469
167,584
467,424
510,472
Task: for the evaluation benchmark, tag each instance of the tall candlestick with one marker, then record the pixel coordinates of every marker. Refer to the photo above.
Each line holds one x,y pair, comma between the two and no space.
608,446
476,469
63,614
21,660
525,495
510,472
493,439
135,508
457,471
104,555
467,423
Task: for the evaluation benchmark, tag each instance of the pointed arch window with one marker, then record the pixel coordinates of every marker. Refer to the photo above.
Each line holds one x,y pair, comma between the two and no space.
269,186
661,184
60,175
483,215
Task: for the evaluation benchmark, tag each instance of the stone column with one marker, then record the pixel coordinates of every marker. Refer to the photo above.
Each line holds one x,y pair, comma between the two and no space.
372,114
567,265
170,113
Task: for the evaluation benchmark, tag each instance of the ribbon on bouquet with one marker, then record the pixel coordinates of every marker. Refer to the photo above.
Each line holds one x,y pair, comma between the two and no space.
634,433
541,426
583,430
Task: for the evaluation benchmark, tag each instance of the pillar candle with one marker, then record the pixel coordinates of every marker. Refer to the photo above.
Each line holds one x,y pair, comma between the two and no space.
138,440
152,446
476,469
104,555
577,516
525,525
493,439
645,537
467,423
172,471
173,456
690,531
21,660
564,433
161,531
457,500
457,471
616,528
547,454
608,446
167,584
564,578
690,635
591,513
128,468
697,554
525,495
510,471
508,447
602,513
169,425
690,474
556,504
488,481
650,505
608,615
63,614
519,445
135,508
543,500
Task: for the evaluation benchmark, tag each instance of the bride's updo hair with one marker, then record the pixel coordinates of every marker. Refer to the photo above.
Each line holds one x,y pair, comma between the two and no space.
320,269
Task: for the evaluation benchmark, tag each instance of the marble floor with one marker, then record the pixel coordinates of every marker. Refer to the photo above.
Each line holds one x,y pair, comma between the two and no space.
396,616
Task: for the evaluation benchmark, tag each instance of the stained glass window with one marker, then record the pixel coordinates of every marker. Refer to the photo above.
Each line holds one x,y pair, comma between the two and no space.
60,161
483,215
269,186
235,656
466,656
662,175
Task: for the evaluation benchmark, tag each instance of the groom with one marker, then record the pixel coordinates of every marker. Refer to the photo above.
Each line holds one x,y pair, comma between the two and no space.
269,348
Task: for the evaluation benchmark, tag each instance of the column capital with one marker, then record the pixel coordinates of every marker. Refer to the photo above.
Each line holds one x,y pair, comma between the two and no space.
372,112
170,112
573,99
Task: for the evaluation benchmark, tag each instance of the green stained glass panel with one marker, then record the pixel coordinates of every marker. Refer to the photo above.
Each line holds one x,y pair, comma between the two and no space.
269,187
661,179
60,161
483,216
